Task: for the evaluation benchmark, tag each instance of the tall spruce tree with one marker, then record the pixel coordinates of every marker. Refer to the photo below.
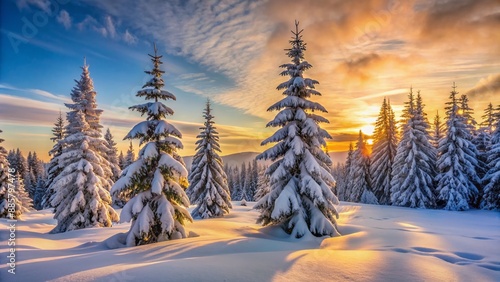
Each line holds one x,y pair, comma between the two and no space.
81,198
414,165
361,182
157,180
467,114
84,99
491,180
488,118
263,186
112,154
130,157
300,200
346,185
457,161
208,182
54,169
24,203
384,150
83,96
4,181
437,130
482,140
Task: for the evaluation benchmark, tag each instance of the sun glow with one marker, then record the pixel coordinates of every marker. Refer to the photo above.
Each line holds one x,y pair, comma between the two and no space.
368,129
369,141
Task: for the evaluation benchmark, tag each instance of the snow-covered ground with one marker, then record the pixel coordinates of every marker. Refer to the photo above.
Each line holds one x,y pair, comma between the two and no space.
379,243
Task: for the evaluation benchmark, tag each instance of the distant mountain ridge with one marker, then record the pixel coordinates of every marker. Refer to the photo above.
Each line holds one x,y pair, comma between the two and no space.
245,157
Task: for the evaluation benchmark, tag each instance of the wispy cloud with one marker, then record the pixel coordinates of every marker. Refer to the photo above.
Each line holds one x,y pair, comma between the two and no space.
488,85
65,19
37,92
129,37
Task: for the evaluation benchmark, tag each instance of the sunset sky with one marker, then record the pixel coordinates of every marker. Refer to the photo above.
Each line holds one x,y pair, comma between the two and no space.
229,51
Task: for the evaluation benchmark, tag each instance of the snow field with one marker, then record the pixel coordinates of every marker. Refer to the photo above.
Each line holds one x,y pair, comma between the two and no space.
379,243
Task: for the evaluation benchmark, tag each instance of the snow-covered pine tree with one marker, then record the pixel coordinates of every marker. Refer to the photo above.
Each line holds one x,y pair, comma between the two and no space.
208,182
111,154
384,150
252,176
491,180
121,161
437,130
457,161
346,184
4,181
17,162
39,193
81,198
338,174
360,190
83,96
241,193
130,157
467,113
156,181
29,181
488,119
54,168
414,165
235,188
300,200
25,203
482,140
263,184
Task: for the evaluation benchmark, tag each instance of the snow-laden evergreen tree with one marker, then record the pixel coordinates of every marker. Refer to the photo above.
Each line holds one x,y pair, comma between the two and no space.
81,198
384,150
250,182
491,180
130,157
121,161
457,161
157,180
29,182
4,181
414,165
24,203
482,140
360,191
39,193
467,113
83,96
208,182
54,168
437,130
112,154
84,100
263,184
488,119
346,184
338,172
300,200
240,194
18,162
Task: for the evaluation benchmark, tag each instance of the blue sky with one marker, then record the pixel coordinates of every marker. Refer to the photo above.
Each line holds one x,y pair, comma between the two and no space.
230,51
